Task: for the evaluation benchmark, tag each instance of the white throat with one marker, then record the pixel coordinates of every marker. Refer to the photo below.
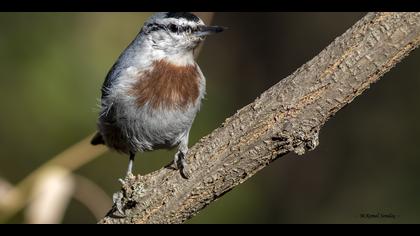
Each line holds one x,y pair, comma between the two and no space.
181,59
146,54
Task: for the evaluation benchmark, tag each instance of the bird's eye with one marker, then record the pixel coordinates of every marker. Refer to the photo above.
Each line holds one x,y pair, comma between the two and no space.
173,28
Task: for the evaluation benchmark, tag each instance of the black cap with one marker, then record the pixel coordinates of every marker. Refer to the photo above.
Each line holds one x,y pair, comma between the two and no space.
186,15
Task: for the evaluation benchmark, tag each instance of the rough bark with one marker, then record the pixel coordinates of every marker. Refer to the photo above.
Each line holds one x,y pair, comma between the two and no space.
285,118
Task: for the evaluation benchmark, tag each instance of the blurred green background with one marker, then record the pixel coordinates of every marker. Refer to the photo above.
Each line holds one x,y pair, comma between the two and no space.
53,64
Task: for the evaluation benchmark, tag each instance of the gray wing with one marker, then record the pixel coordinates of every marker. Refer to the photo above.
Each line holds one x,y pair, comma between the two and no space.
121,63
110,78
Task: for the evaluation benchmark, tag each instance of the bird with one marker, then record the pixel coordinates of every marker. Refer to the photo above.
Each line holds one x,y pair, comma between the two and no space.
152,93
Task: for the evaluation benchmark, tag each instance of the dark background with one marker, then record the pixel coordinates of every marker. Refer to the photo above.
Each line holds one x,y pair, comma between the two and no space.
53,64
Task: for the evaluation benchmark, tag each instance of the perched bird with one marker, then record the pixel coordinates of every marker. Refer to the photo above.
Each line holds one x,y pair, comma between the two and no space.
153,92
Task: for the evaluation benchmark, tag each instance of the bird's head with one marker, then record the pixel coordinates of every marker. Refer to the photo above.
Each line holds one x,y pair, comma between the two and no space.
176,32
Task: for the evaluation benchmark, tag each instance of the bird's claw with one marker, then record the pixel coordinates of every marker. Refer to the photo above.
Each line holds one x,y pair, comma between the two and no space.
184,172
117,200
122,181
181,165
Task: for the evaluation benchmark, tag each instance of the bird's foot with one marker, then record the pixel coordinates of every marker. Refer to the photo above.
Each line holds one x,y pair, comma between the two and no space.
128,179
181,164
129,176
185,173
117,198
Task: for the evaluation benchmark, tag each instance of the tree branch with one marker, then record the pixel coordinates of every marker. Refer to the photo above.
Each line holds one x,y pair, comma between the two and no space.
285,118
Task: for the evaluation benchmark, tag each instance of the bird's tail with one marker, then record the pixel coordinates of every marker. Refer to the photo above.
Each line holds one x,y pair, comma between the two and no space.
97,139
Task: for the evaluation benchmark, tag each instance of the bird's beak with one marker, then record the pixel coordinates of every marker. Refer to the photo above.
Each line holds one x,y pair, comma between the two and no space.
208,30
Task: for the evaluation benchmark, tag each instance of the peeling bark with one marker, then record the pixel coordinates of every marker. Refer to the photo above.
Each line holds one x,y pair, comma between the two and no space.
285,118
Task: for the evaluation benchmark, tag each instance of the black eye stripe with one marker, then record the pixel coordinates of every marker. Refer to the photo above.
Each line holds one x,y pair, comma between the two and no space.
154,27
187,28
171,27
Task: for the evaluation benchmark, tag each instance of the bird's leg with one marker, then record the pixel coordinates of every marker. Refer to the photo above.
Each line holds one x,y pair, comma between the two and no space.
129,173
117,198
179,159
130,164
